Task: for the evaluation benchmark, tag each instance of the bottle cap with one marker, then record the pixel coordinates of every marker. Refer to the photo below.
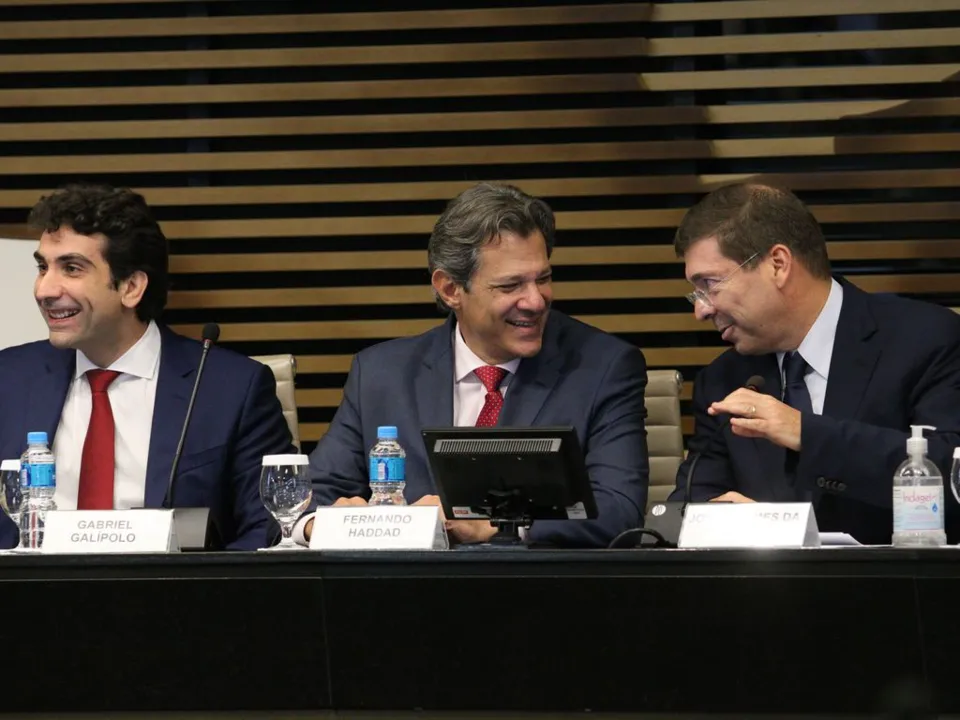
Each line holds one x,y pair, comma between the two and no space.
956,453
388,432
271,460
35,438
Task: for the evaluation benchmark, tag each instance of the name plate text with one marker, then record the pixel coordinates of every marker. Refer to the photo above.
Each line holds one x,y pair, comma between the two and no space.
749,525
109,531
378,527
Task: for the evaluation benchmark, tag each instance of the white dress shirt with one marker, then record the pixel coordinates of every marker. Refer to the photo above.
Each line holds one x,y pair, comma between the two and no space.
469,394
132,395
817,348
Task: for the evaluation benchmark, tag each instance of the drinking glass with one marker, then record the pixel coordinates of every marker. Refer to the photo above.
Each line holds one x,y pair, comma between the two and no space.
286,492
11,493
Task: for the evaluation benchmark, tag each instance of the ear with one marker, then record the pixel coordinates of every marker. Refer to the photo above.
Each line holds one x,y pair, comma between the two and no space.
132,289
447,288
781,260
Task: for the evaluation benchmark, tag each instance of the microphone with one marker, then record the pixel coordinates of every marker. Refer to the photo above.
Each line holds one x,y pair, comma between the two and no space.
665,519
755,383
211,333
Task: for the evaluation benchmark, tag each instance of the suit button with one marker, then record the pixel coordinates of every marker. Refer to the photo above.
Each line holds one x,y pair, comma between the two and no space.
821,482
841,486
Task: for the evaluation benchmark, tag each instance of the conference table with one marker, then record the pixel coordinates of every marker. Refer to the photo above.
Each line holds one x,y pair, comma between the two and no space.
821,632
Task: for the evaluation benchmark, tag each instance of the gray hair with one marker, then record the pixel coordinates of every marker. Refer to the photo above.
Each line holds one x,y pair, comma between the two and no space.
478,216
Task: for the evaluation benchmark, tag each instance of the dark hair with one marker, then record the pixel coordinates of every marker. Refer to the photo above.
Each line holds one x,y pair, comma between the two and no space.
134,240
749,219
476,217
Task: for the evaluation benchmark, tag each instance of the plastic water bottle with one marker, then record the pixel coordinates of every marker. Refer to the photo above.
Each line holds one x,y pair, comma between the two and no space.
387,460
38,478
918,496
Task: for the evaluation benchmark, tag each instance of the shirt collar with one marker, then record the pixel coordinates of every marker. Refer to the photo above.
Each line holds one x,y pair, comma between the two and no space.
141,360
466,361
817,346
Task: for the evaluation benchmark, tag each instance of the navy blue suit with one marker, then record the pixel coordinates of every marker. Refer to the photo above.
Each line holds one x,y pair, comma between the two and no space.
895,362
236,420
581,377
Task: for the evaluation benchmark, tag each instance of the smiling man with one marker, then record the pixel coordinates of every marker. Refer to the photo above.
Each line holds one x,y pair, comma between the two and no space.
111,386
846,372
503,357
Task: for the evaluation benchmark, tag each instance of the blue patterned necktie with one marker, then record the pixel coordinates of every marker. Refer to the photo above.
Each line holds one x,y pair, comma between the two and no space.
795,393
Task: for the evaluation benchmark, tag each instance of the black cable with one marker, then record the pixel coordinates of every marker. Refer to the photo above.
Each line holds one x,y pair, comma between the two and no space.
662,542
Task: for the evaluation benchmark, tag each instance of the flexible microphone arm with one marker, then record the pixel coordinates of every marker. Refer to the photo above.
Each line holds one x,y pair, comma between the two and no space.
211,333
755,383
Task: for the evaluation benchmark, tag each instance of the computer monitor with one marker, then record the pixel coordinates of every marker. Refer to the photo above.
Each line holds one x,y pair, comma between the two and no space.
510,476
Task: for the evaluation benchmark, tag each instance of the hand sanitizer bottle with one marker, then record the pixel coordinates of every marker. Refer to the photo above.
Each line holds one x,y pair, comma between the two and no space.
918,496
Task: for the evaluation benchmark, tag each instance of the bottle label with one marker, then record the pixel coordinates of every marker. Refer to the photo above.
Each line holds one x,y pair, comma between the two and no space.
917,508
38,475
386,469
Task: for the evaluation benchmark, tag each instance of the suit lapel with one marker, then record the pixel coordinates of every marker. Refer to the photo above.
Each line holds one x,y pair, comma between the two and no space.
535,379
169,409
854,355
48,394
433,386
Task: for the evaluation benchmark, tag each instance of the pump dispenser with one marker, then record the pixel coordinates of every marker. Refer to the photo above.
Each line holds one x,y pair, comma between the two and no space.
918,496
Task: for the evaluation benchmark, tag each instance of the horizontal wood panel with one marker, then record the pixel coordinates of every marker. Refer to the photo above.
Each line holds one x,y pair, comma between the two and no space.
331,397
305,57
438,122
755,9
563,255
311,432
598,220
326,22
667,12
499,17
542,187
483,155
588,290
797,77
323,91
382,329
803,42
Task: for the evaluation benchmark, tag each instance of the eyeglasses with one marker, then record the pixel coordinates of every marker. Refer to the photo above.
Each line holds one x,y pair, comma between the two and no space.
703,294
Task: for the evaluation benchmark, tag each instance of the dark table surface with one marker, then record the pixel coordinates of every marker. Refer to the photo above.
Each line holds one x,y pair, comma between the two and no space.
833,630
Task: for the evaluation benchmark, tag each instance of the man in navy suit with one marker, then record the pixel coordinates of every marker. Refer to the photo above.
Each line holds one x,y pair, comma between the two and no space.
503,357
845,372
111,386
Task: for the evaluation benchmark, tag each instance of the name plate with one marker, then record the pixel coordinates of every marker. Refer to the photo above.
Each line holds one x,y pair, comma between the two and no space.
378,527
109,531
749,525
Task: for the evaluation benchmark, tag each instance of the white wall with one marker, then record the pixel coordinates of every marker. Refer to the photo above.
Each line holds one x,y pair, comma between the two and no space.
21,321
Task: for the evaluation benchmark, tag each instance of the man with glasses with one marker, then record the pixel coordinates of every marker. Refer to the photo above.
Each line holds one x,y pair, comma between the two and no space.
845,372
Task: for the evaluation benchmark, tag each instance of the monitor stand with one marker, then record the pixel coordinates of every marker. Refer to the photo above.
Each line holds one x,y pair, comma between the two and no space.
508,538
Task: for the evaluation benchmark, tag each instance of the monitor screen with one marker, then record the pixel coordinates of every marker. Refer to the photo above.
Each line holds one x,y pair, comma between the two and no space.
510,474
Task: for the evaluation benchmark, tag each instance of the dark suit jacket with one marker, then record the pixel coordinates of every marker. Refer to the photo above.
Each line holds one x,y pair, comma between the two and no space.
896,362
582,377
237,420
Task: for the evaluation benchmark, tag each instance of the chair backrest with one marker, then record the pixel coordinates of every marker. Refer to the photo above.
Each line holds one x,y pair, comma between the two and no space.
284,369
664,432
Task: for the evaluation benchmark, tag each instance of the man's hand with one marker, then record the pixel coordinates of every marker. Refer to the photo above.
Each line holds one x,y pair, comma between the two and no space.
758,415
341,502
733,497
465,531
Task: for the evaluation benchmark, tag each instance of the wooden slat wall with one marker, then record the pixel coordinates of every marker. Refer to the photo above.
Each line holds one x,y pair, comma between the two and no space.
298,153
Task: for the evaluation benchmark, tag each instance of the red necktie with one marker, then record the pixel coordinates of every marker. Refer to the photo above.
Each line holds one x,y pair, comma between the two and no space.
491,376
97,463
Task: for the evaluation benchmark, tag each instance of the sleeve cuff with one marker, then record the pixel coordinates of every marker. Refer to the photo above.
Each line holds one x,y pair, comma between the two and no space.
298,529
